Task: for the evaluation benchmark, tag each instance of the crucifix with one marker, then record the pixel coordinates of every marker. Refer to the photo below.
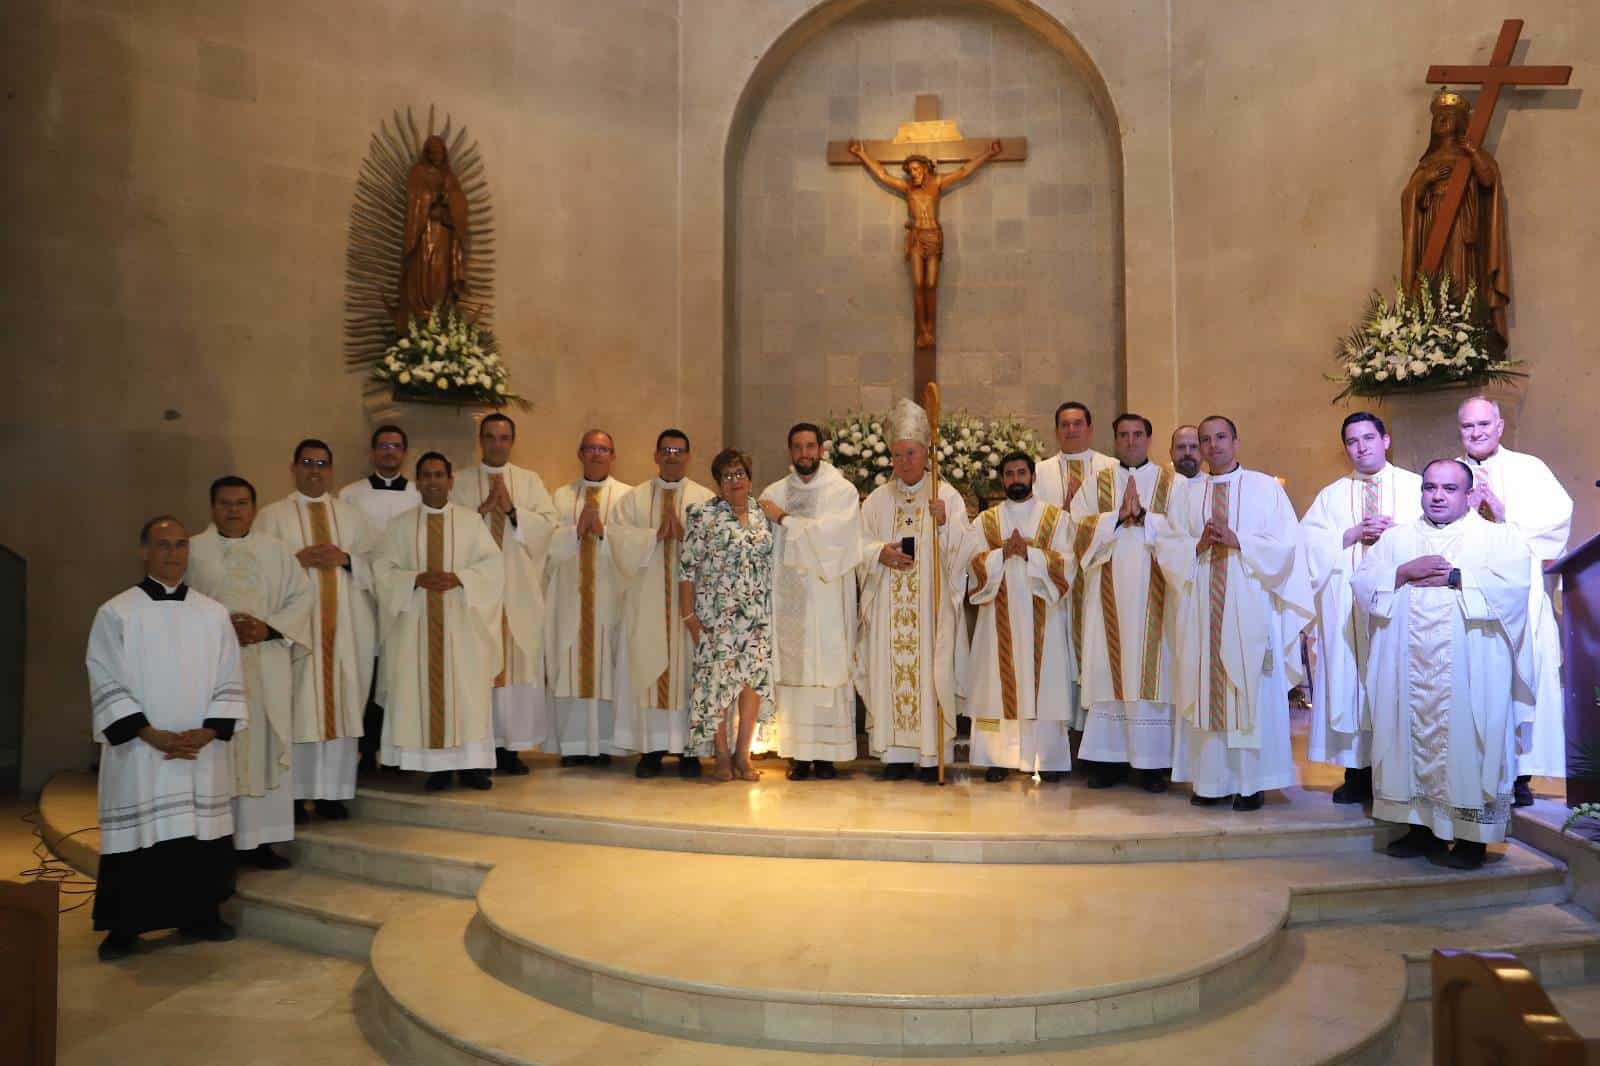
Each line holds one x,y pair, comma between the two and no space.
919,147
1498,73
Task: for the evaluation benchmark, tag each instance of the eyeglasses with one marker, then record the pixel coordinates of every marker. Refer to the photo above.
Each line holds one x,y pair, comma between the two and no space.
317,464
594,449
390,446
731,476
669,452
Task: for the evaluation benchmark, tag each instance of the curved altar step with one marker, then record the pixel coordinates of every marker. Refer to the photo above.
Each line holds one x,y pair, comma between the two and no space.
858,816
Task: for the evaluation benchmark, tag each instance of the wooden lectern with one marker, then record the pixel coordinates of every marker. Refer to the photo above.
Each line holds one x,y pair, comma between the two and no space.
1580,657
29,929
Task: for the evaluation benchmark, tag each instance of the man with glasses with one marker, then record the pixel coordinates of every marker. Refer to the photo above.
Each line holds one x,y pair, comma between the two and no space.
655,654
330,539
381,496
584,592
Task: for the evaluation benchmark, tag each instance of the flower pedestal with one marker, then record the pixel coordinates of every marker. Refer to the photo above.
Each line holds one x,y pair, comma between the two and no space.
1423,424
447,426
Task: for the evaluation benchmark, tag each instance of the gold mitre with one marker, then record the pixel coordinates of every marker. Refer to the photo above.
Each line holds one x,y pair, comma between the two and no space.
1447,97
908,421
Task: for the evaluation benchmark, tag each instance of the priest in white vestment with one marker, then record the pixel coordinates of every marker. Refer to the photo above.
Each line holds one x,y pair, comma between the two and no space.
583,608
518,513
1126,671
911,633
1232,553
1521,491
381,496
1057,481
1447,595
268,598
817,515
1340,528
1016,575
439,576
165,689
655,654
330,539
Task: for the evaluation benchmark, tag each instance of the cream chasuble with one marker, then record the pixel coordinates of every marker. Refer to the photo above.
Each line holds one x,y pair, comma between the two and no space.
521,719
583,610
1539,511
1125,674
1237,641
1448,672
440,650
1019,648
655,654
906,665
1056,481
817,552
1341,713
176,662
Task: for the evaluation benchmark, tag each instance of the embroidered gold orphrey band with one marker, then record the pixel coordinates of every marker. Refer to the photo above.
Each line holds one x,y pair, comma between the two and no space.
1074,478
588,549
1218,568
669,562
1056,566
1155,604
497,529
327,622
435,564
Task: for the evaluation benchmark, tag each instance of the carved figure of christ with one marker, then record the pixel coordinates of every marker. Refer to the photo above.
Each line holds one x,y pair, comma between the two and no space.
922,187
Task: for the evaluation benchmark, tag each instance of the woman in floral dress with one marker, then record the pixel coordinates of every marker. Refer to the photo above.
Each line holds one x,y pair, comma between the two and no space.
725,599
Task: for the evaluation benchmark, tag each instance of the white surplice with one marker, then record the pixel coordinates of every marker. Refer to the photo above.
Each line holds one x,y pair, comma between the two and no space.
1019,659
655,654
911,636
521,713
332,682
1056,481
176,662
381,499
1127,607
1237,639
1539,510
1341,714
583,614
814,614
1448,672
258,576
437,714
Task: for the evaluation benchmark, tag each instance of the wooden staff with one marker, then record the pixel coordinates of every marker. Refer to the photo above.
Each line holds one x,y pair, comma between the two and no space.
930,404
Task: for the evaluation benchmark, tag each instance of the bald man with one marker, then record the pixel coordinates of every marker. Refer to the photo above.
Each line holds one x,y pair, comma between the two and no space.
1185,451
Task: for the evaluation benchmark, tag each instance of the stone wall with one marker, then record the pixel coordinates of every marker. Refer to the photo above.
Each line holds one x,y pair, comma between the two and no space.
1029,295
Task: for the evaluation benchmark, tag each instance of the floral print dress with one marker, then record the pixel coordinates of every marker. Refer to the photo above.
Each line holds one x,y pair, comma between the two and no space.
730,564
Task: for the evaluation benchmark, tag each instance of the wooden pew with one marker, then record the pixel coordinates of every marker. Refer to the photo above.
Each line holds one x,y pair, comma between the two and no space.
29,931
1490,1010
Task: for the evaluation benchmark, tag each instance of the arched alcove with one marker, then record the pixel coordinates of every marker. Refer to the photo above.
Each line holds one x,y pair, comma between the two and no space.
816,289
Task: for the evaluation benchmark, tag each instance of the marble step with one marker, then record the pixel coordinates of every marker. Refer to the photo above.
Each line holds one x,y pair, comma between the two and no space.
317,911
1331,995
860,817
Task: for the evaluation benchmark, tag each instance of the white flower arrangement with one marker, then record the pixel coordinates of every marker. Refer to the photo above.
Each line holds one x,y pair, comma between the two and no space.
1420,343
446,357
969,449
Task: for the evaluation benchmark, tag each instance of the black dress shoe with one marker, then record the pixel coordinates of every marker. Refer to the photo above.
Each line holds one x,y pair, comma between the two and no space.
928,775
332,810
118,946
1419,840
440,780
1050,777
897,771
368,763
1466,855
1153,780
1101,777
799,770
478,779
824,769
1521,796
1357,787
1251,802
600,760
300,815
263,857
996,773
568,761
509,762
218,931
649,765
1197,800
688,767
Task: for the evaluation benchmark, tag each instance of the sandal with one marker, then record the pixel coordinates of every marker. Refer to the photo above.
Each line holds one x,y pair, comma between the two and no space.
747,773
723,771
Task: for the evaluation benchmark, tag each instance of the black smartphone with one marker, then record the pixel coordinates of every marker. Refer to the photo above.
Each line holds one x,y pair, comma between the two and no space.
908,546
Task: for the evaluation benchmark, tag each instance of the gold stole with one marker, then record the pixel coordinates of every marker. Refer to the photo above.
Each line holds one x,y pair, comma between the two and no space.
1074,479
327,621
1218,568
435,564
588,549
497,529
1002,602
669,561
1155,604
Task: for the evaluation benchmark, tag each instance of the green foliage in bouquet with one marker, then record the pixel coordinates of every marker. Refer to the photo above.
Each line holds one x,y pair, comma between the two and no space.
446,358
969,451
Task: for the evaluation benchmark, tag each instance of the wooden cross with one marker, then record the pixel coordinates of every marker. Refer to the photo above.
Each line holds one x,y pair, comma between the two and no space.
938,139
1498,73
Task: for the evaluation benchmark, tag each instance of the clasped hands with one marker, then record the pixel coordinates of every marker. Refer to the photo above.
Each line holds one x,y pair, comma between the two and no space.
322,557
1425,571
184,745
249,629
499,499
437,581
589,521
1368,530
671,528
1214,534
1131,512
1482,495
